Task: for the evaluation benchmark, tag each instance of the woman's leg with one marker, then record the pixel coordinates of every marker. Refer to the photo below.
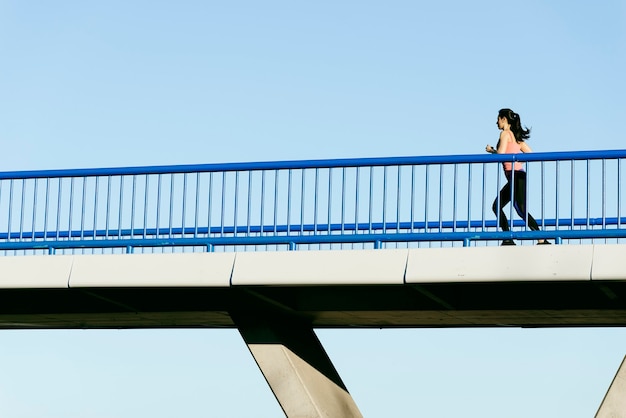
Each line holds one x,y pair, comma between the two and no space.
519,196
504,197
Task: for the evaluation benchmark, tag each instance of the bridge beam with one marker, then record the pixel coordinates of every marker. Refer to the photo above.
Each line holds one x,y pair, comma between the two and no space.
297,368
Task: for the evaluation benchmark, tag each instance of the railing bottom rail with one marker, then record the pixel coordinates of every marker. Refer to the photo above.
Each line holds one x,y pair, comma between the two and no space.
292,241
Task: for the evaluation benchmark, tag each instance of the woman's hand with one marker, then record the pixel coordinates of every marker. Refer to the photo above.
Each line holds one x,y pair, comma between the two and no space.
490,149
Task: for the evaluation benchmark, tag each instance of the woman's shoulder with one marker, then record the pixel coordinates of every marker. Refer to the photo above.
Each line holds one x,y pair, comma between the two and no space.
507,136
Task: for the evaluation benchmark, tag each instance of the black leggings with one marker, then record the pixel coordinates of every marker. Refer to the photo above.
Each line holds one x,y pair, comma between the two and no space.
519,195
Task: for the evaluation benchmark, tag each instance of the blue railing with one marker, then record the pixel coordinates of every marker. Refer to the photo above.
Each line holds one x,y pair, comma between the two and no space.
341,203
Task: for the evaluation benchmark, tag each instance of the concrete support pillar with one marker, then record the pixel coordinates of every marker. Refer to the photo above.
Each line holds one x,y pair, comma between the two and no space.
297,368
614,403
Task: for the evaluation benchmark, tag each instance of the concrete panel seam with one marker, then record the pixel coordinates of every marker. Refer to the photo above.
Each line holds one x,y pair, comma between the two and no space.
593,254
232,270
69,274
406,266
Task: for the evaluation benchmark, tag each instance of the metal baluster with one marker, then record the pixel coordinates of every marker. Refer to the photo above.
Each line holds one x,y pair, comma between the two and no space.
558,170
132,207
384,199
107,221
426,200
95,208
170,215
197,207
45,212
316,191
289,185
158,207
469,196
107,210
454,196
588,194
543,195
121,208
10,209
484,196
145,206
440,220
512,201
34,220
22,208
83,208
184,208
343,200
330,199
604,194
302,197
223,204
398,199
526,193
498,187
210,205
248,221
370,199
236,203
262,202
412,217
59,199
357,200
276,185
71,213
619,193
572,192
466,241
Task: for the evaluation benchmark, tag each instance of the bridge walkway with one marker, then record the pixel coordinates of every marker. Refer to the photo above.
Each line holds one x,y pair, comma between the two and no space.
279,249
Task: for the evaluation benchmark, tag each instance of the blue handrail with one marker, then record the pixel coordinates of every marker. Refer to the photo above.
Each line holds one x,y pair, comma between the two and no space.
320,163
296,204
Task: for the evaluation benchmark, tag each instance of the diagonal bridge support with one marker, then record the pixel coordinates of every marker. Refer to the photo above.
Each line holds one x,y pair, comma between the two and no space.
614,403
297,368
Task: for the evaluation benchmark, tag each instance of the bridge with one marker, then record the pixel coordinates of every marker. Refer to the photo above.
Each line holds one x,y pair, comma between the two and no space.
277,249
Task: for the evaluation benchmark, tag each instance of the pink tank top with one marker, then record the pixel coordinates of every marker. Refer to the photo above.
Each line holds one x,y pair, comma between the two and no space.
512,147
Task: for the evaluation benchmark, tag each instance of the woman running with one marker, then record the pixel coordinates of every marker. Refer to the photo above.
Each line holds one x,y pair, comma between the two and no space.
512,141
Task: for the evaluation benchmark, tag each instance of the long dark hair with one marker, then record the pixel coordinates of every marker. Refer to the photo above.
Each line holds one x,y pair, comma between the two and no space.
521,134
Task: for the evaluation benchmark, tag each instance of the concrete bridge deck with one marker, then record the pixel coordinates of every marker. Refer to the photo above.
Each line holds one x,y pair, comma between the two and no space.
526,286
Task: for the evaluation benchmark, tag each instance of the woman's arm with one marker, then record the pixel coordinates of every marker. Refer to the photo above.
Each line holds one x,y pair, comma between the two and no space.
493,150
502,143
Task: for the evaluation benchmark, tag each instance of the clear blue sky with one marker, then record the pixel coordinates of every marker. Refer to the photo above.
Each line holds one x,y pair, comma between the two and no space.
118,83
